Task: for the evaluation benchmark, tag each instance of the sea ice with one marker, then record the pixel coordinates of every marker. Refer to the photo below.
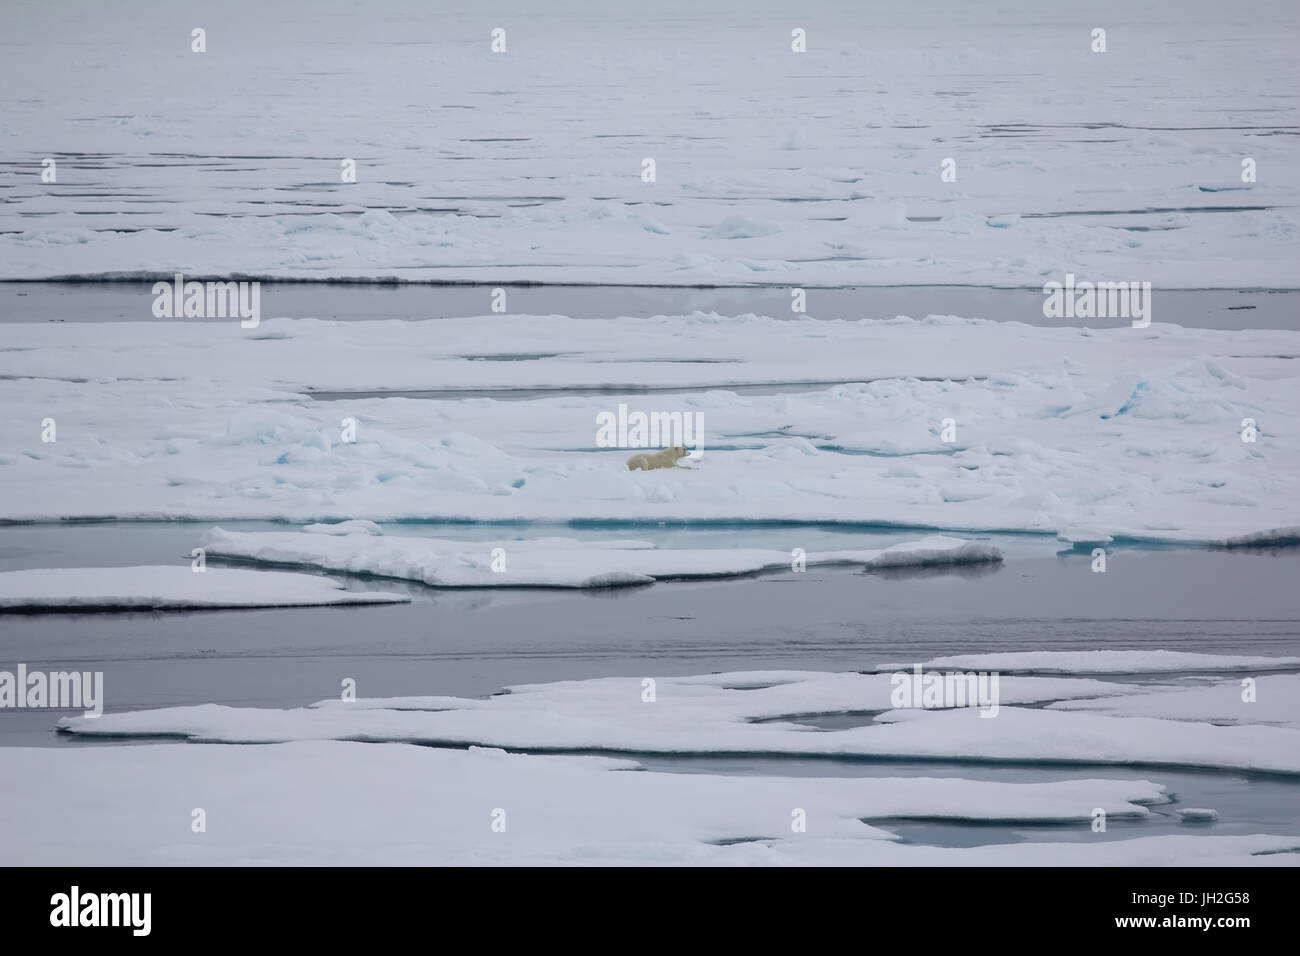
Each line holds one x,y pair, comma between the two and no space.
298,803
1133,435
557,562
172,587
528,166
713,715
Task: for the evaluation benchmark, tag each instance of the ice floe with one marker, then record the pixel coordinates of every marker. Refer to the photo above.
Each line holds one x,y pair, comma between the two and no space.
1268,699
528,166
481,806
1124,434
557,562
756,713
356,526
172,587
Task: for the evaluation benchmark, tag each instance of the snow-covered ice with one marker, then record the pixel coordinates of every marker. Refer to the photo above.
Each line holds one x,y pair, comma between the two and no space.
557,562
771,168
1272,700
173,587
1128,433
757,713
774,167
356,526
432,806
934,550
588,809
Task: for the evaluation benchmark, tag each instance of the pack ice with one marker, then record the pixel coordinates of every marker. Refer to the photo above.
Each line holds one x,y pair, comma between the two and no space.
1157,434
172,587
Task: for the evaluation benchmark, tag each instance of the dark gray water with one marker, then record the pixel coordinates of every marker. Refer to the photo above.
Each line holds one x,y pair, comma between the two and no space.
133,301
473,642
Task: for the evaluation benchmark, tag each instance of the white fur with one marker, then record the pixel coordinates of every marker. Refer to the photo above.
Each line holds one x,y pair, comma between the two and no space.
667,458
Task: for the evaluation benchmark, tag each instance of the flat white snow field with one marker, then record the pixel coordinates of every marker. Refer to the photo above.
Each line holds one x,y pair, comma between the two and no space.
771,166
339,803
1159,434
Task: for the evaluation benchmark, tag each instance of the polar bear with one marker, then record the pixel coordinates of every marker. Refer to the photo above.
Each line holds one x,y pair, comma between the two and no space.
667,458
